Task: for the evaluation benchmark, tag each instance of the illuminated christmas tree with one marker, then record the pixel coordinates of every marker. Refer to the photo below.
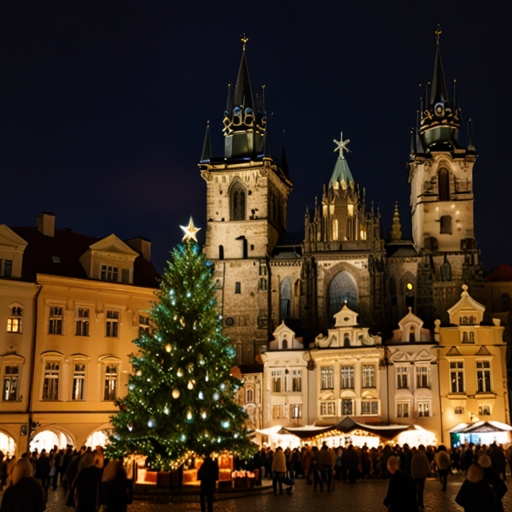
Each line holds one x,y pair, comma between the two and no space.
181,394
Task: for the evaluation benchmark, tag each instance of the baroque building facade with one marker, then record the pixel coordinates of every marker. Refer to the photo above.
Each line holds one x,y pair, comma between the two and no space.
71,306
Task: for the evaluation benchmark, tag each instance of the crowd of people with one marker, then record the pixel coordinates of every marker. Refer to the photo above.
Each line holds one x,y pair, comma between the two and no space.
408,469
91,481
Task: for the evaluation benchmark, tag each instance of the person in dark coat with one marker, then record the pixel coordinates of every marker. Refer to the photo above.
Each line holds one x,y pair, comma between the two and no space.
116,490
474,494
491,477
208,475
420,469
350,462
25,494
401,495
86,485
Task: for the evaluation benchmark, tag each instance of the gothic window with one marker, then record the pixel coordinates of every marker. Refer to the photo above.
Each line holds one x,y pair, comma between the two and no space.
221,252
286,297
342,289
443,180
412,335
446,225
237,201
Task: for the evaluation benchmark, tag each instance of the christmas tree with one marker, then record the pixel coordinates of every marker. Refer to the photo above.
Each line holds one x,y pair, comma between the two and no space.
180,397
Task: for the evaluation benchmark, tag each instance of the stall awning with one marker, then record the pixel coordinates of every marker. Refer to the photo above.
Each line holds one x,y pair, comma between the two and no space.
345,426
480,427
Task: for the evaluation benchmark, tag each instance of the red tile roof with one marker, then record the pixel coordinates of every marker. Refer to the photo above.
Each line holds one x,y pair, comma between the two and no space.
502,273
59,256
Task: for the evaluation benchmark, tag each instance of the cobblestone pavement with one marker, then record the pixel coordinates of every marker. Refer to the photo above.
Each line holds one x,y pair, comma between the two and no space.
365,496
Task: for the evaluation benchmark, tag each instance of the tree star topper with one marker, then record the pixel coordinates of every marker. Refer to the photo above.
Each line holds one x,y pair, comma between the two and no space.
190,231
341,145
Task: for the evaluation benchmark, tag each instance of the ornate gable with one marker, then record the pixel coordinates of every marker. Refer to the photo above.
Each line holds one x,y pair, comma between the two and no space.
109,259
467,310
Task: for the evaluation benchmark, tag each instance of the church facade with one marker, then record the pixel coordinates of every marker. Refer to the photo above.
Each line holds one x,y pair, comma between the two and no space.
343,258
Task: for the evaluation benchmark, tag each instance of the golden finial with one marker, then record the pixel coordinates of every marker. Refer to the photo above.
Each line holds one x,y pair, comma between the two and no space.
244,40
438,33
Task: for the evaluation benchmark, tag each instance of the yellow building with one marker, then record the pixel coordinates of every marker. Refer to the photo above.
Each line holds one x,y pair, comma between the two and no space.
71,306
472,370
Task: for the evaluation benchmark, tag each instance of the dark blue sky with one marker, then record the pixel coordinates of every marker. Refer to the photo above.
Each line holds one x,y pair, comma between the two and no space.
103,105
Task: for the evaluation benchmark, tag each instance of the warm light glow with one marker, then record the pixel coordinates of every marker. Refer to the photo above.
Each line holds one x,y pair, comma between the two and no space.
168,347
409,286
7,444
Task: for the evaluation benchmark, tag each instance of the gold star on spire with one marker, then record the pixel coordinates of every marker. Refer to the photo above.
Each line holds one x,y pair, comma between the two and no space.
244,40
190,231
438,33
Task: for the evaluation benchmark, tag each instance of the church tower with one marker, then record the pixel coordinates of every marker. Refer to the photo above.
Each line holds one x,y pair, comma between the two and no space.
441,179
247,197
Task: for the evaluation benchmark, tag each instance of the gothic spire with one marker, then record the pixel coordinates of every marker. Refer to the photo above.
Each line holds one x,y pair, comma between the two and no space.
395,233
471,138
438,92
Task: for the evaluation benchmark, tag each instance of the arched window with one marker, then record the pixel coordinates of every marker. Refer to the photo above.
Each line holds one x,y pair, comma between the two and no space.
250,396
342,289
237,201
286,297
412,335
443,179
346,340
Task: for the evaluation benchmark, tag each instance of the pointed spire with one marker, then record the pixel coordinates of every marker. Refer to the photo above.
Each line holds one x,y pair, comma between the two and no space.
438,92
471,139
454,96
243,90
395,233
207,147
266,142
341,176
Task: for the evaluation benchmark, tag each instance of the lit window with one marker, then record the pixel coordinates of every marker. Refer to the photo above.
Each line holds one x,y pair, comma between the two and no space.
402,409
5,268
402,377
276,381
369,407
347,377
423,376
109,273
82,322
79,382
297,381
347,407
14,323
11,382
457,376
110,392
368,376
296,411
423,409
277,412
51,381
327,376
112,324
144,324
56,317
483,376
484,410
328,408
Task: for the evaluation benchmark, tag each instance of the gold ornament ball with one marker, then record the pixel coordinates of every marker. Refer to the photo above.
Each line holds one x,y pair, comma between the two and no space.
175,393
168,347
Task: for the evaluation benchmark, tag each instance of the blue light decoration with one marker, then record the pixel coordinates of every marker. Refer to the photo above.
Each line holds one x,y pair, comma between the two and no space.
225,424
216,396
151,423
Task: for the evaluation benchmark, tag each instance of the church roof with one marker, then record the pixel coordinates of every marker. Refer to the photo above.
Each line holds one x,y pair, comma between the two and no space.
502,273
341,176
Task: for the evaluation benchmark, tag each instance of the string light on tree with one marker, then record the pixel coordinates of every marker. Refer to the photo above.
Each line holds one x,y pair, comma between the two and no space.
175,389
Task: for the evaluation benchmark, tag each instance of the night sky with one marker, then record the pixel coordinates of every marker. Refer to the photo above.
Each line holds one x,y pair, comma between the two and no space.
103,105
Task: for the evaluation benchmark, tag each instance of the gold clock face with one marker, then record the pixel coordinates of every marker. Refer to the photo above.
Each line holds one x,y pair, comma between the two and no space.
439,109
